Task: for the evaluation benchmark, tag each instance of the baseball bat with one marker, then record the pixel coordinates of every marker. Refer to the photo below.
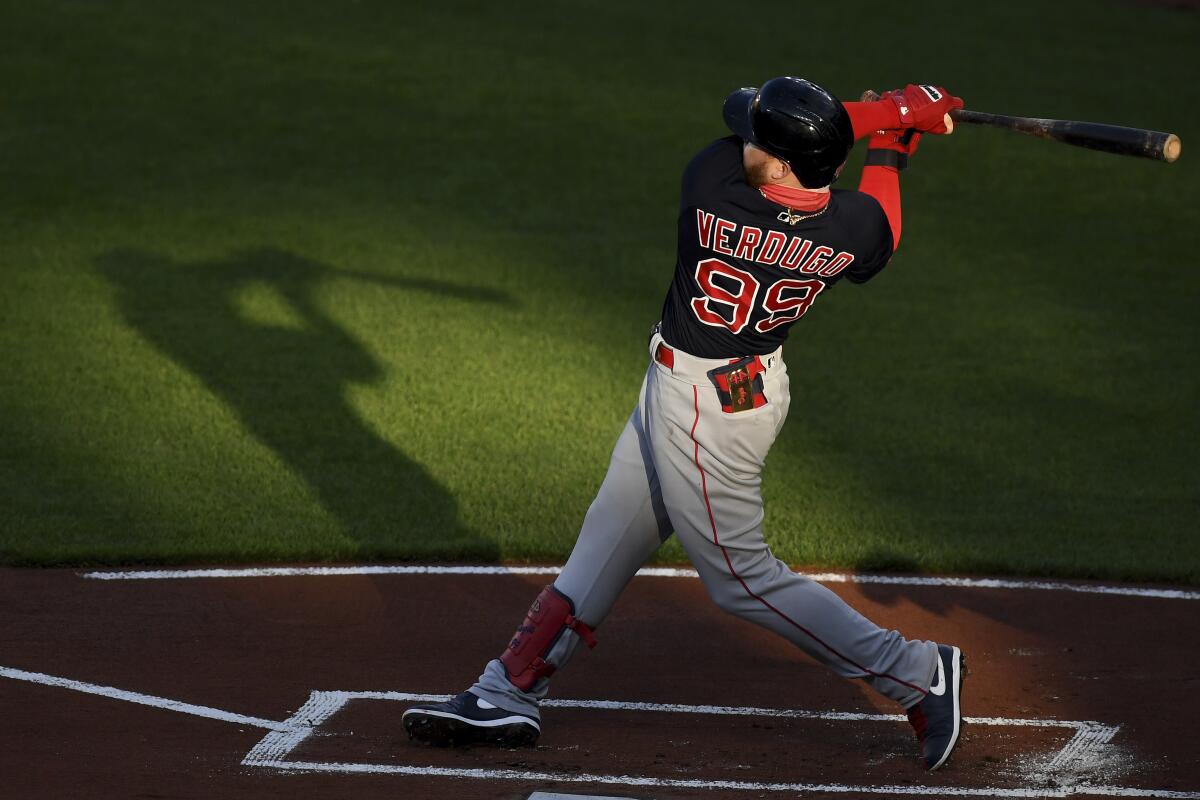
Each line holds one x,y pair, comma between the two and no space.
1094,135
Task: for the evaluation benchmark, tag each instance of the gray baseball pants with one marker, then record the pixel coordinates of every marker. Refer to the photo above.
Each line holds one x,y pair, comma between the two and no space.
684,465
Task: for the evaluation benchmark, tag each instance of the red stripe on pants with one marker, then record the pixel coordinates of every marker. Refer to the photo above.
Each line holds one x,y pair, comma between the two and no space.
712,521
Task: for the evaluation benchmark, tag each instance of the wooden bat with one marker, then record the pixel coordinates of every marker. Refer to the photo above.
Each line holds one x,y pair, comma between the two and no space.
1097,136
1094,135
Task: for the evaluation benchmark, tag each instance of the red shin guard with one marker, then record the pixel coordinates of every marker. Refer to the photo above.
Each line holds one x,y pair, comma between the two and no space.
551,614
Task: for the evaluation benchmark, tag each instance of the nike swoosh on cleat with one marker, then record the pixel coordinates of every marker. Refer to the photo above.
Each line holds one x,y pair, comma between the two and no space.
939,686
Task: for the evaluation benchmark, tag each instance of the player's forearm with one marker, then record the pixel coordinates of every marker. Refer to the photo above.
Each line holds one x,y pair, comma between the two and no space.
883,183
866,118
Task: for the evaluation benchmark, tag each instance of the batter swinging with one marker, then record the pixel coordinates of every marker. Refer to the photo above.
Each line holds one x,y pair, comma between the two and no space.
761,237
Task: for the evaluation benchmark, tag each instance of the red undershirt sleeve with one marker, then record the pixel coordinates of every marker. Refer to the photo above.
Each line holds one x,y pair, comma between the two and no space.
883,183
866,118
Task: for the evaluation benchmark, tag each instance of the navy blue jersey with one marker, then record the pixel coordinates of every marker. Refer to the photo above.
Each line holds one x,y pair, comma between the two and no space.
747,268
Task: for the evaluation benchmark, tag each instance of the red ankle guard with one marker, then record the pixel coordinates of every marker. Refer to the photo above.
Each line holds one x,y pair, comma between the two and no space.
551,614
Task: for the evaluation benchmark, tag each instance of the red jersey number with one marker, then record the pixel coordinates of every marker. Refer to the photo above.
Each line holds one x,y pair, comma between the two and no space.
730,304
737,303
788,307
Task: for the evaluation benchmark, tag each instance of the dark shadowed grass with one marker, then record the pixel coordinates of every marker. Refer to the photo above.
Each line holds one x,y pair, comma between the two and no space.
301,281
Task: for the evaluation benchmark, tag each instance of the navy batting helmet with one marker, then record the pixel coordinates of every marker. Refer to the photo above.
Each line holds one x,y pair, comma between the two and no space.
796,121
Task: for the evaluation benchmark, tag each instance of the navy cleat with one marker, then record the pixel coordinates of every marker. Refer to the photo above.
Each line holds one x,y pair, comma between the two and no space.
937,719
467,719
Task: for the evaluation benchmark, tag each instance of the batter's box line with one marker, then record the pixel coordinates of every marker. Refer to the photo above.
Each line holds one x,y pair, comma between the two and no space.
284,737
947,581
1080,754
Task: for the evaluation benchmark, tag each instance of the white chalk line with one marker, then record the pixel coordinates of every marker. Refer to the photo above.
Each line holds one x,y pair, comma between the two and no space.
1079,753
284,737
276,746
745,786
140,699
655,572
1088,734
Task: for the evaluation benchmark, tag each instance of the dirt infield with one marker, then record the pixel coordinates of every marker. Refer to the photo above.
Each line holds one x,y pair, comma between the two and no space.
293,686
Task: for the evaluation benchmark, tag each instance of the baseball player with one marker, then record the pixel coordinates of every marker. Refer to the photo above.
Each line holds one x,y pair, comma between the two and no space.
761,236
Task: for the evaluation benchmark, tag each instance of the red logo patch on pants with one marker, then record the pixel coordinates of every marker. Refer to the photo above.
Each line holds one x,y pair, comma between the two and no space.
739,385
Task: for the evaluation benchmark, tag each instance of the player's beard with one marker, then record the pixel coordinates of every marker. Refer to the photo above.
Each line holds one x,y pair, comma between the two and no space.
758,174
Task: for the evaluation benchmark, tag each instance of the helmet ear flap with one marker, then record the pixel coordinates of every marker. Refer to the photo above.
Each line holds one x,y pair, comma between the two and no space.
820,178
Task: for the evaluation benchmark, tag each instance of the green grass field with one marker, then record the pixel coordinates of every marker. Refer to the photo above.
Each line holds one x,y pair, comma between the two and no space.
353,281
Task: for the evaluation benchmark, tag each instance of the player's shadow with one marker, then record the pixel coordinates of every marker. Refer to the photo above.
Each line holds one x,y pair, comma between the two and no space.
286,377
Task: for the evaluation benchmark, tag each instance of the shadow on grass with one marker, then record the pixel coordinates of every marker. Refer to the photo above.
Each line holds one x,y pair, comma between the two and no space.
287,379
886,559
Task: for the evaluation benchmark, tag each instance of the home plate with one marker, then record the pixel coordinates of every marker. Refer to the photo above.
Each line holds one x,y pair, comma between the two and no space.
556,796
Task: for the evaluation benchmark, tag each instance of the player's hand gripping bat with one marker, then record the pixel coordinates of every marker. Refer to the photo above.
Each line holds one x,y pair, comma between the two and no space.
1097,136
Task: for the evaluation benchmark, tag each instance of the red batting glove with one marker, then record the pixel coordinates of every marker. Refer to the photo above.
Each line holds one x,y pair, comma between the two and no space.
924,107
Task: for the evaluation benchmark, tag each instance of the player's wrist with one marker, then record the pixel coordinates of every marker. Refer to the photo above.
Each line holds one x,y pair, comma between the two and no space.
886,157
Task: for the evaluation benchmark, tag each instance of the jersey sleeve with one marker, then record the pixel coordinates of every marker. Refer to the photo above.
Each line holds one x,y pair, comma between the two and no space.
874,238
716,167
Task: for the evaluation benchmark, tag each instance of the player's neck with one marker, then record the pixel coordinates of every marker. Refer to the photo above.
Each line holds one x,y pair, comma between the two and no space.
796,197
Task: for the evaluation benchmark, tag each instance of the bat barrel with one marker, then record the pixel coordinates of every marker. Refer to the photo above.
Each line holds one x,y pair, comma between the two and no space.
1094,135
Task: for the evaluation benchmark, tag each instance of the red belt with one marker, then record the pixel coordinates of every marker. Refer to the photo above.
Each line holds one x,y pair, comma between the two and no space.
665,356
